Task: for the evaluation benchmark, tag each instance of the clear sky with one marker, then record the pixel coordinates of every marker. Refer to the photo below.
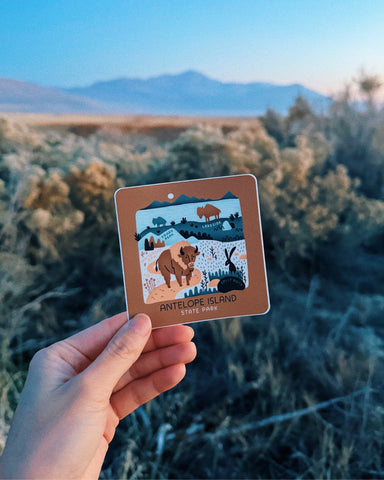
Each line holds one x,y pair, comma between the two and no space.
319,43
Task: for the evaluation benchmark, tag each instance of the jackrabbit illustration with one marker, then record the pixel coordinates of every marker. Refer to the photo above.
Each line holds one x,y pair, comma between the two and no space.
232,267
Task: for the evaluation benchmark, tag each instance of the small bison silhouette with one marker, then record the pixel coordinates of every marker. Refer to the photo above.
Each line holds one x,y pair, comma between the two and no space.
159,221
208,211
178,260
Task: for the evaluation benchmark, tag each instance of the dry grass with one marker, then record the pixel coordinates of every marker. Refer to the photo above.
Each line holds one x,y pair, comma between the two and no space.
161,127
293,394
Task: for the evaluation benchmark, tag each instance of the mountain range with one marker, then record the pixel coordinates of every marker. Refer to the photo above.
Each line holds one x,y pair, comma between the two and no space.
187,93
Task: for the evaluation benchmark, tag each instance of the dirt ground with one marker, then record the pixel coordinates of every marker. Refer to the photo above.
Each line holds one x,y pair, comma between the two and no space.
163,293
161,126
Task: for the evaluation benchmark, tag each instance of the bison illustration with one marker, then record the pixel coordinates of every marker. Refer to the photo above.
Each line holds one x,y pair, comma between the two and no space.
159,221
208,211
178,260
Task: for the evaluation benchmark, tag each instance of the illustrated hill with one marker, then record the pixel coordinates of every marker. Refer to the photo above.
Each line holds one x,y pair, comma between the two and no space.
224,230
188,93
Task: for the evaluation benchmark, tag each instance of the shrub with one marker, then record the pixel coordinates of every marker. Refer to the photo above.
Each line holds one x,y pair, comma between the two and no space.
323,218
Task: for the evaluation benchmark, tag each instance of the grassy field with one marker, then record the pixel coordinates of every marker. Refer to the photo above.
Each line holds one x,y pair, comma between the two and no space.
296,393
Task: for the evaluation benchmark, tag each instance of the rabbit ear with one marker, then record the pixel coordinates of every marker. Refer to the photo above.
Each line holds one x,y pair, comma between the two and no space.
233,249
226,254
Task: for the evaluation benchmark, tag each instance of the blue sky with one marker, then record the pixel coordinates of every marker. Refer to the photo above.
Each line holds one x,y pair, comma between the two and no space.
320,44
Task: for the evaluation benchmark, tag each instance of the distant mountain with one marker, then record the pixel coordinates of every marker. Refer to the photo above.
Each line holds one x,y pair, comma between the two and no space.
19,96
189,93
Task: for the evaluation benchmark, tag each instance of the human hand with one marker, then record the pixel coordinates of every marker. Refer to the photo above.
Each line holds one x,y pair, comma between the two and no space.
78,389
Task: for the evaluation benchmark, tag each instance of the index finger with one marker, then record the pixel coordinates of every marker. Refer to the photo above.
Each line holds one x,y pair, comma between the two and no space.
165,336
93,340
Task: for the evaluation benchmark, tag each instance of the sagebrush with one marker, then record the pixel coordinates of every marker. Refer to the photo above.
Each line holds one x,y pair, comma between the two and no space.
321,186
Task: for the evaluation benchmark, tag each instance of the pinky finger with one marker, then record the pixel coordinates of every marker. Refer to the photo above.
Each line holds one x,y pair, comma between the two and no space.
145,389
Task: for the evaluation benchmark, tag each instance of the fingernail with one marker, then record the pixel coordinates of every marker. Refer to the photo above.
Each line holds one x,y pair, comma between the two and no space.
141,323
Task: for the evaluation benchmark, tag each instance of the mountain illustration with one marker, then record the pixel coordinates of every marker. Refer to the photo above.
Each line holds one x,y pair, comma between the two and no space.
185,199
179,201
227,196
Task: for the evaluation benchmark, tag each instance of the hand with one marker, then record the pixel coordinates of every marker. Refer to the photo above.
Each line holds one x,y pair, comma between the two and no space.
78,389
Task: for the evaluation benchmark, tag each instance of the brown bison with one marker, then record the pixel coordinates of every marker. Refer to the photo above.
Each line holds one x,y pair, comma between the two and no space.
208,211
178,260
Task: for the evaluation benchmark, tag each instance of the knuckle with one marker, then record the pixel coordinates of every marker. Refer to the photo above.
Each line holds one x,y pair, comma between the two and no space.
135,371
139,397
39,359
121,347
157,388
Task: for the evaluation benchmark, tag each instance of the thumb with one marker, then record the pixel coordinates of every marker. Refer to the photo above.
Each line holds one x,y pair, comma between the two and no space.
120,354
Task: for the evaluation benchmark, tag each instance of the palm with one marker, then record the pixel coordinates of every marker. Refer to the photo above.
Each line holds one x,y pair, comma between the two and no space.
94,467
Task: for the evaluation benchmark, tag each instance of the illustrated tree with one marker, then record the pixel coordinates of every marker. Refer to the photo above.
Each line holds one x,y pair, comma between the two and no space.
148,246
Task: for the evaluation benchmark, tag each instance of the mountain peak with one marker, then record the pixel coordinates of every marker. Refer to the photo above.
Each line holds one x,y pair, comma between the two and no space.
193,74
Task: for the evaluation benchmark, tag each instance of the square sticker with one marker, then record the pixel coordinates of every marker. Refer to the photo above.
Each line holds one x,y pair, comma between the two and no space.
192,250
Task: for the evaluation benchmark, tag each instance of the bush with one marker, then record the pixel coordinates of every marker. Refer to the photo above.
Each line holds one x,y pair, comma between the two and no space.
320,184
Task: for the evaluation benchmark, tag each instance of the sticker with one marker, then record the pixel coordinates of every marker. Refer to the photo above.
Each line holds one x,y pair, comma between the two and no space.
192,250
